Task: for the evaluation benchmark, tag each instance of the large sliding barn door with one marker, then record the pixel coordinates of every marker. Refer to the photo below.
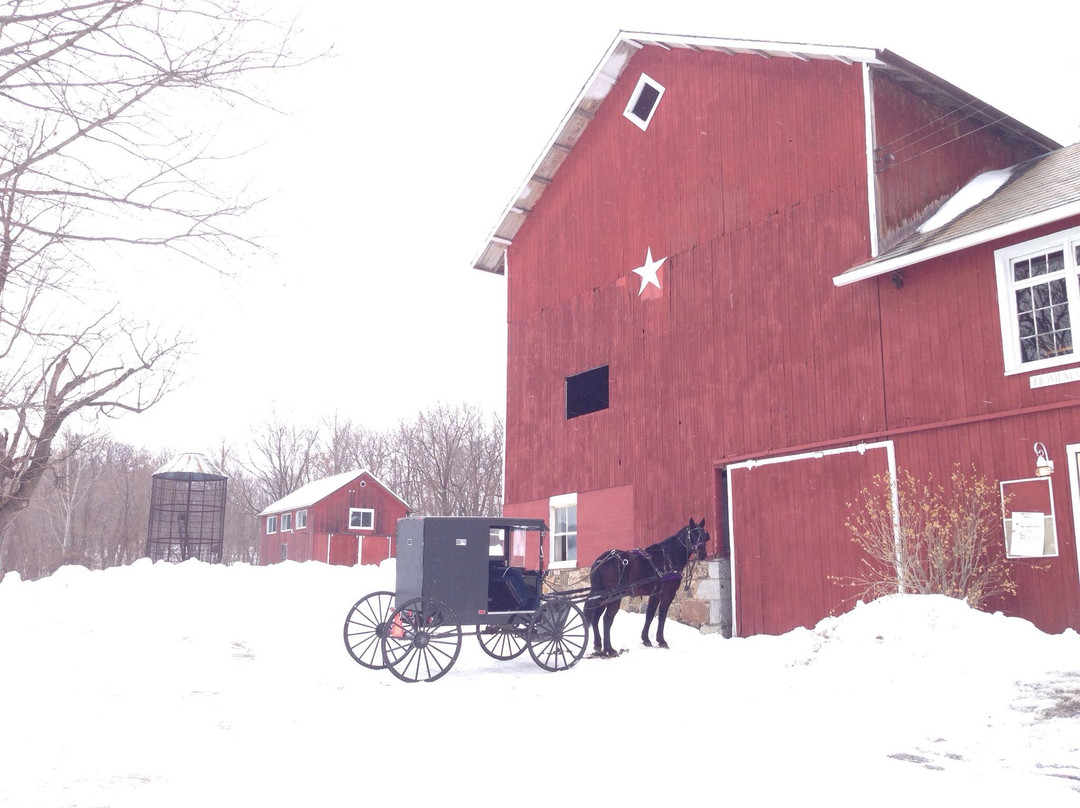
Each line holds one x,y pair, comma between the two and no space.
789,546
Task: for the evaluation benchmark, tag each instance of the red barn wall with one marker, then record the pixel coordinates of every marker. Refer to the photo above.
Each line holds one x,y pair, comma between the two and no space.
751,180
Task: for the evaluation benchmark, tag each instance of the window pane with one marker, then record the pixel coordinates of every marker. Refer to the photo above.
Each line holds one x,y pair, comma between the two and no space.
1040,294
1023,300
1021,271
1026,323
1043,323
1038,266
1028,350
1056,261
1047,348
1061,318
1064,342
1057,291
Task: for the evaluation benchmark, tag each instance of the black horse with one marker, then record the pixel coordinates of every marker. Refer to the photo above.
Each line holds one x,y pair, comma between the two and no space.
655,571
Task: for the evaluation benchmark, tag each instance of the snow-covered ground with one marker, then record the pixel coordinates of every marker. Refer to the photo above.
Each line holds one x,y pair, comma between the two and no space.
190,684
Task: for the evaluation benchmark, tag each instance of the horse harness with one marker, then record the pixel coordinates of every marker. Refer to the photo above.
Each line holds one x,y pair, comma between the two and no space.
668,573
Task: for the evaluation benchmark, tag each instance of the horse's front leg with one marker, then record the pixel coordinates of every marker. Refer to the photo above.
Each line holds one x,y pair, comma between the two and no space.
650,612
609,618
665,602
592,622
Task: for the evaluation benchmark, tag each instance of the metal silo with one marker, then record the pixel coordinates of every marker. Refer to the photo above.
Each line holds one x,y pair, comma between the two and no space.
187,510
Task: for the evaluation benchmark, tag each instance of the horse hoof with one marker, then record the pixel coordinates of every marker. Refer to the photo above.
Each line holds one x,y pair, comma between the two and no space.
662,644
646,642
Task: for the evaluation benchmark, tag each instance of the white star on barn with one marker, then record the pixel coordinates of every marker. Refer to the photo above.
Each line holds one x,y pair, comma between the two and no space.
648,271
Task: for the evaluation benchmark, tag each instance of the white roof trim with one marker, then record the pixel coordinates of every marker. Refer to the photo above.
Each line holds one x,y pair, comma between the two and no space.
1002,230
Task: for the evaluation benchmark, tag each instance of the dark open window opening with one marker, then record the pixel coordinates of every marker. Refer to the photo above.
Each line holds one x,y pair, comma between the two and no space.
587,392
645,101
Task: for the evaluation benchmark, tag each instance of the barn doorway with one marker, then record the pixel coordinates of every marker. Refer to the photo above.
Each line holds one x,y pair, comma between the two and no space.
790,549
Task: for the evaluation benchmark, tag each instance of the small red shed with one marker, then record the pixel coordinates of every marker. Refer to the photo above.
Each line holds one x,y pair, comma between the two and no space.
345,519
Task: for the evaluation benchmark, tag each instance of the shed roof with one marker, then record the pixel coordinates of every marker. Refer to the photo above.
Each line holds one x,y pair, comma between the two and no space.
627,43
318,490
1039,191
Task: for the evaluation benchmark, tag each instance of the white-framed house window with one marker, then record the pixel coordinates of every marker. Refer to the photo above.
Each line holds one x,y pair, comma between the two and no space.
286,522
1038,292
643,102
271,525
361,519
563,523
284,551
301,519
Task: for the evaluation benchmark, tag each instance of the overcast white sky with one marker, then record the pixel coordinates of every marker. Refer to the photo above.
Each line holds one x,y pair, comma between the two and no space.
402,151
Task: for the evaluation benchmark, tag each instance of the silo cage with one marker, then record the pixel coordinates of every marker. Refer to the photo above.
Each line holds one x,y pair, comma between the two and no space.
187,516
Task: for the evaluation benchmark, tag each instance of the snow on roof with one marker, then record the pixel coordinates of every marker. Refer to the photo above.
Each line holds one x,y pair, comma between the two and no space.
313,492
979,189
189,464
1040,191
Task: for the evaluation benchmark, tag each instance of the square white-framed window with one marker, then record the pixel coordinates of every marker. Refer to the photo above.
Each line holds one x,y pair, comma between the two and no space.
563,524
1038,292
361,519
271,525
643,102
286,522
301,519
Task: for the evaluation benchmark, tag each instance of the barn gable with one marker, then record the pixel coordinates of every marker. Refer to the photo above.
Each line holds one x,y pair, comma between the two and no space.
678,347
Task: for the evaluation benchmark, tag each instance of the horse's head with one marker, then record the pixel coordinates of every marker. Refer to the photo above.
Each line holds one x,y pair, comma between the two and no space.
696,539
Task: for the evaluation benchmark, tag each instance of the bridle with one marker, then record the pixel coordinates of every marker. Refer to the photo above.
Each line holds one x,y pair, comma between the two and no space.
694,538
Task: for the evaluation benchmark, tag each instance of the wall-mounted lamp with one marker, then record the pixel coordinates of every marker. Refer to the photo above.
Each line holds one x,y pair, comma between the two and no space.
1044,466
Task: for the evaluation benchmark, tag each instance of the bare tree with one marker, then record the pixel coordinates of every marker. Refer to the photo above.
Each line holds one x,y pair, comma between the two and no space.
104,146
345,446
449,462
280,461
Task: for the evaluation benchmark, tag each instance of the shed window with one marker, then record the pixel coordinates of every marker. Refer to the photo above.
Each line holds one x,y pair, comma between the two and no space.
286,522
361,519
1038,291
643,102
301,519
271,524
587,392
284,552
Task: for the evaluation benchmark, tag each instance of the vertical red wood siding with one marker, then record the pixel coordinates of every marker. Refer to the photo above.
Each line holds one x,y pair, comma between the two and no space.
751,181
785,574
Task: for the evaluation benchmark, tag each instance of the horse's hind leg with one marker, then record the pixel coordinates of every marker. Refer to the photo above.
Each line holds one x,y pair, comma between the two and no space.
650,612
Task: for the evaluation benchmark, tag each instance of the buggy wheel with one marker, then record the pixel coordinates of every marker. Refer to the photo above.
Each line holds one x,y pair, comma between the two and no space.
423,642
505,640
365,626
556,635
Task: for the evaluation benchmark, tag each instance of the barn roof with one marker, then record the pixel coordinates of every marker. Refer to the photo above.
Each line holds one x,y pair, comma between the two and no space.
1039,191
626,44
316,491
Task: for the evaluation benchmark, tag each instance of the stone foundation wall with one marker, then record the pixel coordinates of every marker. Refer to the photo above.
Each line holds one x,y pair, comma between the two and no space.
706,607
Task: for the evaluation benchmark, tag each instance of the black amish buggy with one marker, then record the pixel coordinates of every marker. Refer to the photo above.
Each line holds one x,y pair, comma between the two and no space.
465,571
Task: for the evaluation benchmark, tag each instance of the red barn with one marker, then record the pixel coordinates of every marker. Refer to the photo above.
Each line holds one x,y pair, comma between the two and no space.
346,519
720,304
